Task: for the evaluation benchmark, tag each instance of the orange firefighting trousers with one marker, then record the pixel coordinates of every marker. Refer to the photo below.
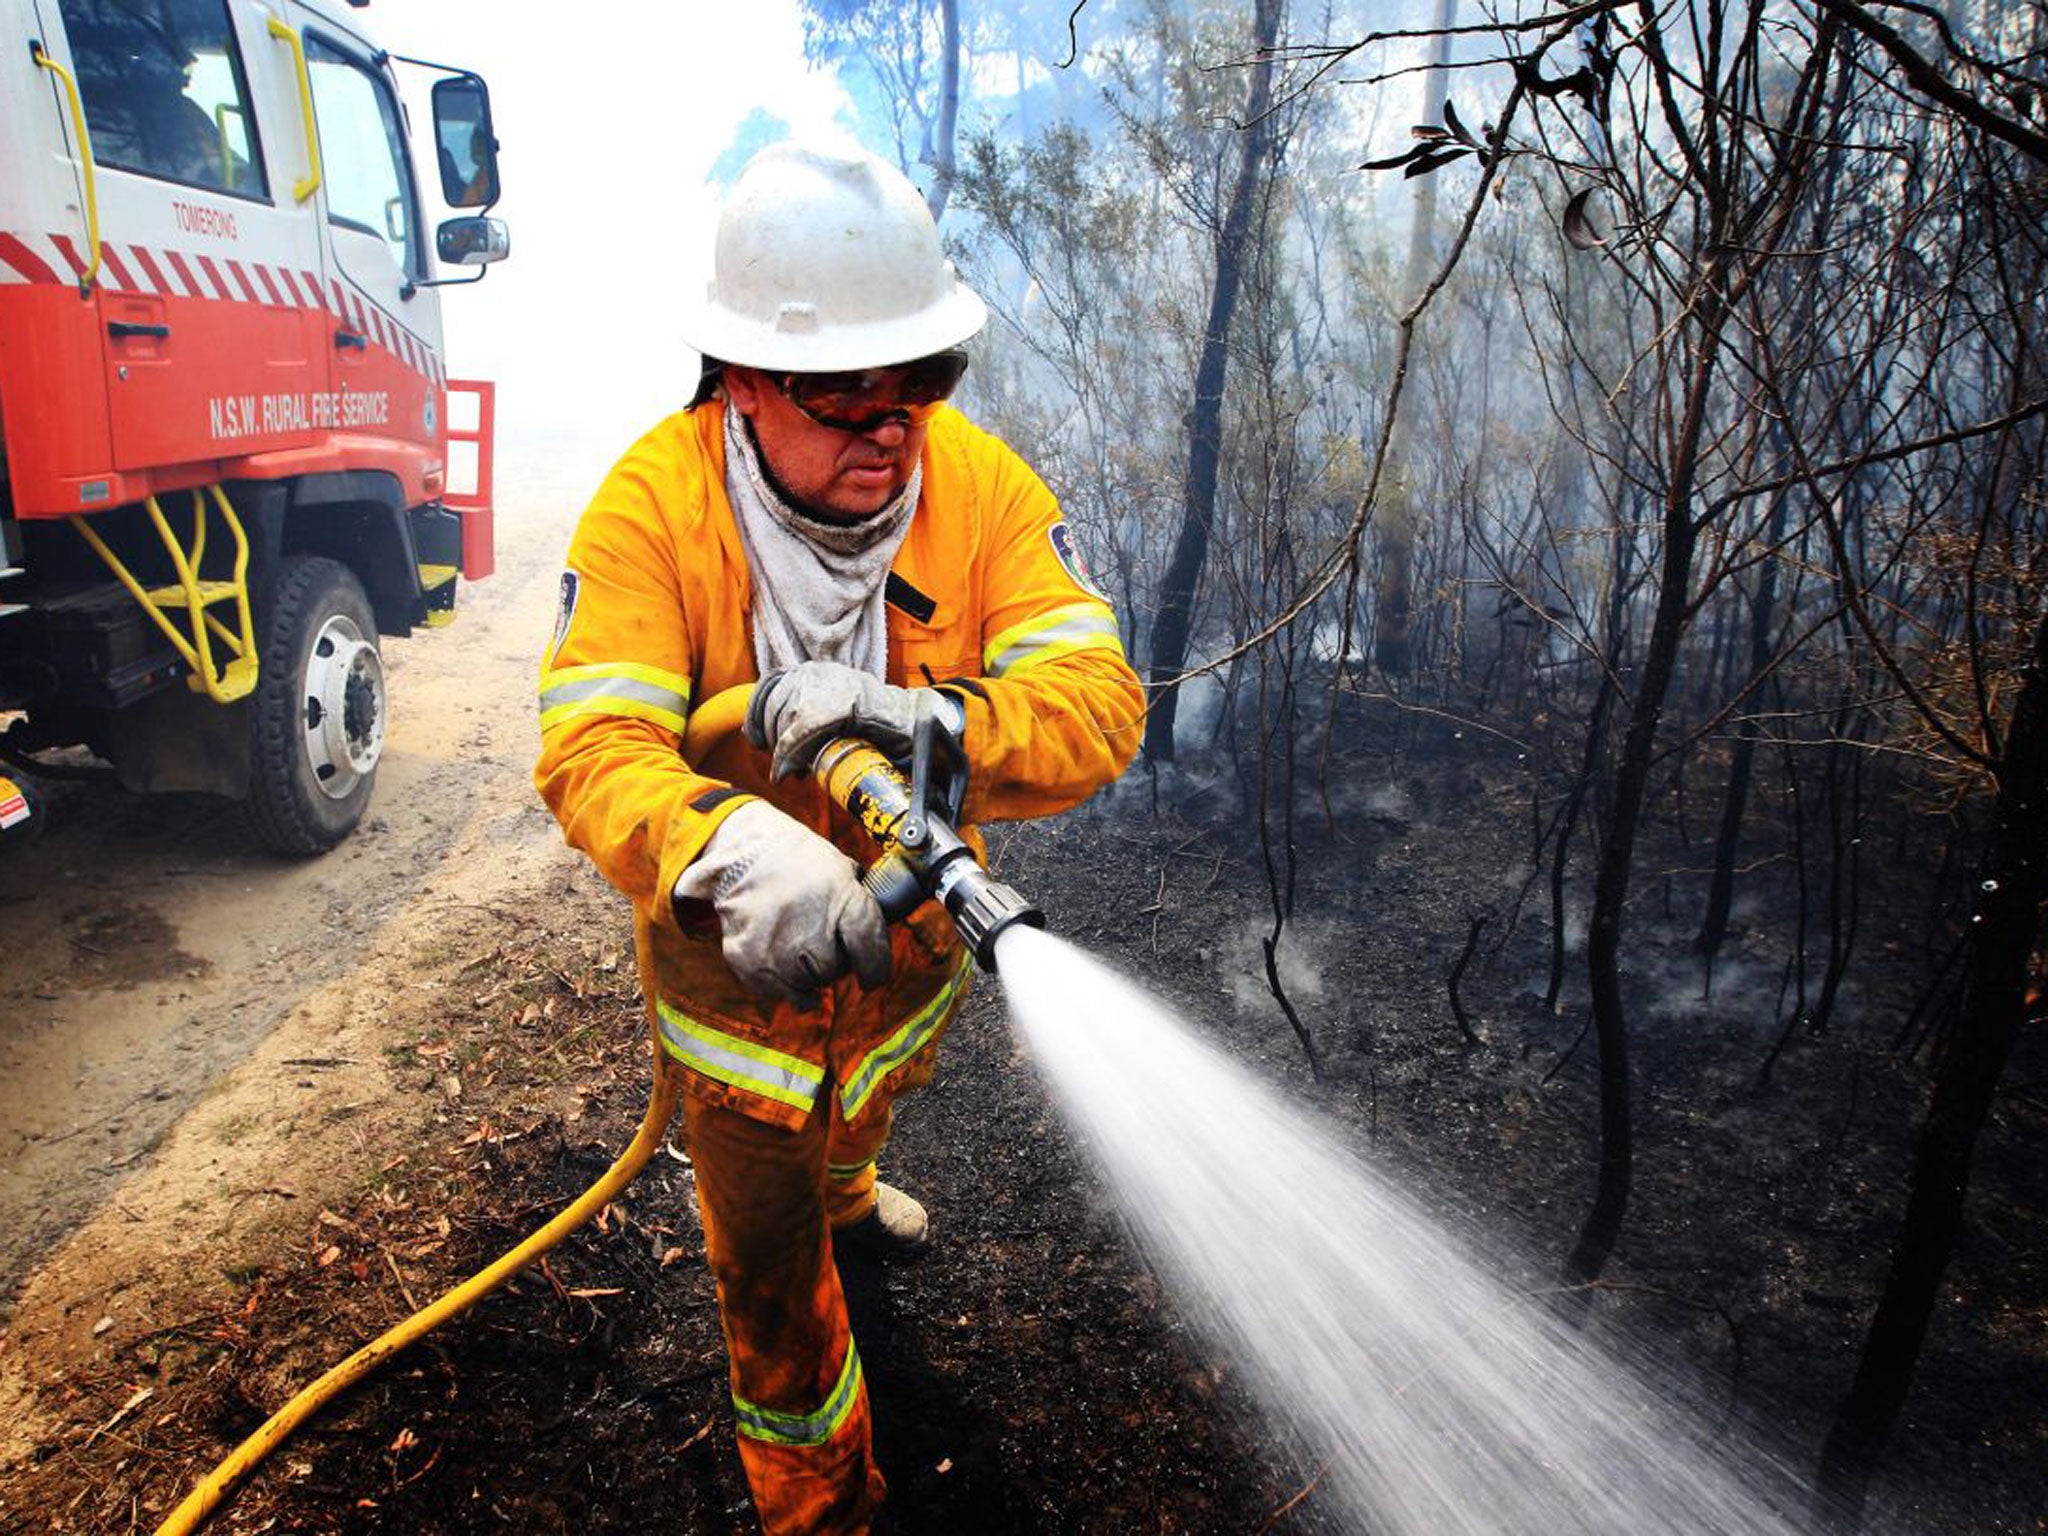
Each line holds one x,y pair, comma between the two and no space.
768,1198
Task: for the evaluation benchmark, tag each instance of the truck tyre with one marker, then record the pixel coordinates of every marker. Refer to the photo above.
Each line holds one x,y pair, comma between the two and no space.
317,728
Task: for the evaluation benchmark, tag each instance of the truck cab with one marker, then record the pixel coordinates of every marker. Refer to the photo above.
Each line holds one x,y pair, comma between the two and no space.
224,433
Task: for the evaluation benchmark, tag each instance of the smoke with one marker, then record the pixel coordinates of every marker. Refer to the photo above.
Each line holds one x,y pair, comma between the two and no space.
1198,713
1301,974
1387,802
608,194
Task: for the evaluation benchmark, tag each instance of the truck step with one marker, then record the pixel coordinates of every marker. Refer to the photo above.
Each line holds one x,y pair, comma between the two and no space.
210,592
8,610
9,570
432,576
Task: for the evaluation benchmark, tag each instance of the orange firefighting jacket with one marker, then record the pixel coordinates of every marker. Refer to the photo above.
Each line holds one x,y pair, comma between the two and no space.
986,591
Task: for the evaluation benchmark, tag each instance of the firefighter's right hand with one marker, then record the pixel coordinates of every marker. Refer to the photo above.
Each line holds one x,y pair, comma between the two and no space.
794,713
793,913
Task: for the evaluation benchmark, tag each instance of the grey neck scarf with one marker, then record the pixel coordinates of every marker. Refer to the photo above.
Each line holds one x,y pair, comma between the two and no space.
818,586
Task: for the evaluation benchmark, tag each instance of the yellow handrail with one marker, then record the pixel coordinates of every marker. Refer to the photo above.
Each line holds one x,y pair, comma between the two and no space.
304,188
221,113
238,678
92,198
244,643
199,655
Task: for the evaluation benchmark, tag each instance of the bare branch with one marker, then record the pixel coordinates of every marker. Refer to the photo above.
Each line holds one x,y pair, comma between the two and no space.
1921,72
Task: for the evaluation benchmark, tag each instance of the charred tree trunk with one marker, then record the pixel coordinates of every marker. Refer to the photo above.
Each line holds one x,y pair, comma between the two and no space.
1610,894
1591,771
2003,934
1171,629
1742,766
1280,863
1845,863
1631,790
1392,608
1727,842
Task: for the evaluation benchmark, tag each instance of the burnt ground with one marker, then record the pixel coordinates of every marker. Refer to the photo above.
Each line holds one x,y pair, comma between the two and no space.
1027,1375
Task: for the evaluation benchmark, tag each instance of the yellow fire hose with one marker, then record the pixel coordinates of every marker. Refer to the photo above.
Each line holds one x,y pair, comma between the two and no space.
717,718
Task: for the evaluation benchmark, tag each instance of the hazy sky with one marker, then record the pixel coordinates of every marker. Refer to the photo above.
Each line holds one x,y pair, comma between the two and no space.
606,140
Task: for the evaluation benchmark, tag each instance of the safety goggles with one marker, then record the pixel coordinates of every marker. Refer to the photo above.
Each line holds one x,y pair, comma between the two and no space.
862,402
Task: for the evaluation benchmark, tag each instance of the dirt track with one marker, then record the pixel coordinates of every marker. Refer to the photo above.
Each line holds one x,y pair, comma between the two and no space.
191,1030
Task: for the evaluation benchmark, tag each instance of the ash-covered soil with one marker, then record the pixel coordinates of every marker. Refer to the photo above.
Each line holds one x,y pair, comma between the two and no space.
1027,1375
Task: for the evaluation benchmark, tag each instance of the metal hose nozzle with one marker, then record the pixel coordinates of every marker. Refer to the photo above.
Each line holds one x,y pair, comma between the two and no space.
921,853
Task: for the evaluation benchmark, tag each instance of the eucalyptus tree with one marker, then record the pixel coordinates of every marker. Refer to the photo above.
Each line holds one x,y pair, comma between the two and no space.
1231,220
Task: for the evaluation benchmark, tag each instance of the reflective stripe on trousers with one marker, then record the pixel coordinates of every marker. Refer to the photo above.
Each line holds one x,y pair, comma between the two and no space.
805,1428
741,1063
905,1043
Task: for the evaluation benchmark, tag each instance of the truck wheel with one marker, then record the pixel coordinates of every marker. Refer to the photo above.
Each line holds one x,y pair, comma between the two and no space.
317,729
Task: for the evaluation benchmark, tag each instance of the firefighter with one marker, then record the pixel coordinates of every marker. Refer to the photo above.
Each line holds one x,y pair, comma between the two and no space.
820,523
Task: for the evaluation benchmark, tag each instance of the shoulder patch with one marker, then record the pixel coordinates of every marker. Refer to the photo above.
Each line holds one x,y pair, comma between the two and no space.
565,613
1070,559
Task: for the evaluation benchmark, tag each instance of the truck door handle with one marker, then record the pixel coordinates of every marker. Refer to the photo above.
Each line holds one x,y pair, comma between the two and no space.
121,330
351,339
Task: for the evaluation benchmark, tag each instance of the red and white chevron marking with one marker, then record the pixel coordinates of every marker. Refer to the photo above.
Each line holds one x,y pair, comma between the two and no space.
184,274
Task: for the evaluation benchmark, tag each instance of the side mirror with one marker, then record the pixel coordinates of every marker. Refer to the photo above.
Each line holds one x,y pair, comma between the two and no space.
464,143
473,242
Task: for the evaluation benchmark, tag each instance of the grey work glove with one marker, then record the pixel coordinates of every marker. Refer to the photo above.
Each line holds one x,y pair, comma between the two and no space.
794,713
794,915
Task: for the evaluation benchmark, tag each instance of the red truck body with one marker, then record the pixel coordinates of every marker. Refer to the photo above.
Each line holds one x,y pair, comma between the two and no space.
224,406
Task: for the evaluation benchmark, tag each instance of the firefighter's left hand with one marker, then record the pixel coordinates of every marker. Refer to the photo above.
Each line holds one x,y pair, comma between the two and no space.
792,912
794,713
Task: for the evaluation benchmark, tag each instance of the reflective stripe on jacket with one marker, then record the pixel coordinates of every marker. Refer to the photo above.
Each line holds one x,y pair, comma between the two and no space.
655,617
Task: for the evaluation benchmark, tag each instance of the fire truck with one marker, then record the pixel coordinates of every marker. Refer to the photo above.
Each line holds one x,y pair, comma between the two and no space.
225,446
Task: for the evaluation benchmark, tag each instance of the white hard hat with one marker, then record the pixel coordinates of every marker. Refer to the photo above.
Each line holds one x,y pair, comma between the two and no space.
828,263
